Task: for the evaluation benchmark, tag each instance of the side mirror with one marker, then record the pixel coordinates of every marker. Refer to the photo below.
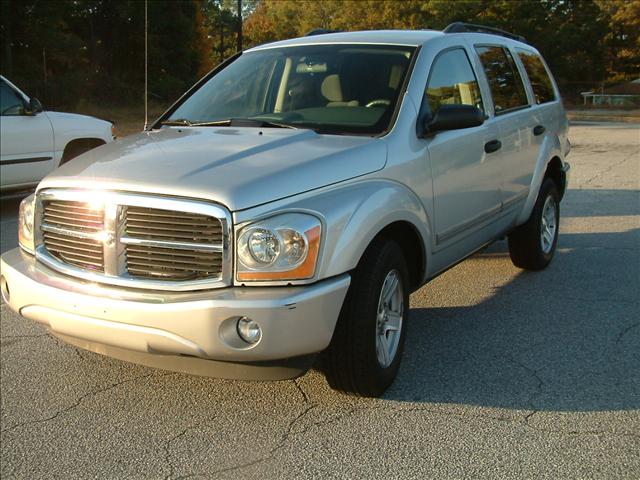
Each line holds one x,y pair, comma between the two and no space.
453,117
35,107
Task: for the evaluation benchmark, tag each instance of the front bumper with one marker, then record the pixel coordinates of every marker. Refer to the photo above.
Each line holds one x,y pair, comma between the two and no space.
168,329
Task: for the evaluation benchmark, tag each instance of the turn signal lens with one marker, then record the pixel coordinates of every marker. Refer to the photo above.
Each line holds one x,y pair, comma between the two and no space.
25,223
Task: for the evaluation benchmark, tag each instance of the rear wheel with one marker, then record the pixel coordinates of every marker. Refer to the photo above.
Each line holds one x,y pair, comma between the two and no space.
532,245
364,355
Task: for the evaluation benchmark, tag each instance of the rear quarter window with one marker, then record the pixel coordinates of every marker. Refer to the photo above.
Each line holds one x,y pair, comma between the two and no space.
538,76
505,83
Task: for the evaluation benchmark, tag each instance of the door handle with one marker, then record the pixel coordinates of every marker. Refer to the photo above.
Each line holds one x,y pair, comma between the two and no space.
538,130
492,146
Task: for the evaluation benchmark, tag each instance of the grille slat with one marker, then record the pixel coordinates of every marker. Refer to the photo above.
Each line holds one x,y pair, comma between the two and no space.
152,227
75,253
74,224
55,216
135,251
79,242
162,274
58,245
81,262
173,235
67,206
175,221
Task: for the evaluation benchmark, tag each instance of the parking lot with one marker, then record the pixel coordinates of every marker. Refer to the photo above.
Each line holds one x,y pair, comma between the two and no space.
506,374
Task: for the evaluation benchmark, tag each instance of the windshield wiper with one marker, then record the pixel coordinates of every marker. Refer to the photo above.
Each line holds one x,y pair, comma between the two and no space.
232,122
243,122
178,122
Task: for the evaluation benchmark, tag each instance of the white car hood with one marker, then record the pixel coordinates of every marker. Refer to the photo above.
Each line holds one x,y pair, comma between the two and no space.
238,167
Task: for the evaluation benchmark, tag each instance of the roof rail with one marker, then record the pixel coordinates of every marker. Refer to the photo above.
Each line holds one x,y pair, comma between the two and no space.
321,31
462,27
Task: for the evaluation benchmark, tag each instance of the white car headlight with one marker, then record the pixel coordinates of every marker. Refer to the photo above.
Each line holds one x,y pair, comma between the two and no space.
284,247
25,223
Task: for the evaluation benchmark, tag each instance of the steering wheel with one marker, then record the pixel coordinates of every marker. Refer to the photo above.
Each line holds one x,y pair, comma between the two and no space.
379,102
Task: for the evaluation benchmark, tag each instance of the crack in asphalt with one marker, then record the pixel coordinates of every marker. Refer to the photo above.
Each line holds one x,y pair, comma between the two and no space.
611,167
625,331
308,407
76,403
167,451
305,397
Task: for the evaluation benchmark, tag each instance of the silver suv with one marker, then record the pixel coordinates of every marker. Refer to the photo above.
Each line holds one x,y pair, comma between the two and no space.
289,203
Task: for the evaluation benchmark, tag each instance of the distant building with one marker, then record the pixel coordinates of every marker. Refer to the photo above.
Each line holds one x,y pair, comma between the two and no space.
623,95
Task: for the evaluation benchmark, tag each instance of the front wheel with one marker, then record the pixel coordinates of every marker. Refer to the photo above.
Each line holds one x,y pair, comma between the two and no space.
365,351
532,245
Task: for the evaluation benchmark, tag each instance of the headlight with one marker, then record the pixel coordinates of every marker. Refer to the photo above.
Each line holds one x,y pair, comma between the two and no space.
284,247
25,223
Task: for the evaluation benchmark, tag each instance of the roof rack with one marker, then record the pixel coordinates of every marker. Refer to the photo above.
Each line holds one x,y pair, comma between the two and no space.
321,31
462,27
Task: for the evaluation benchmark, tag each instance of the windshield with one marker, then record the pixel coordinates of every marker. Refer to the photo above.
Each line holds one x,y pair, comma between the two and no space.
343,89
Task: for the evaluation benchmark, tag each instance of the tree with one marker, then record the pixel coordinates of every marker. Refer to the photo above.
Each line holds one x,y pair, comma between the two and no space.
622,38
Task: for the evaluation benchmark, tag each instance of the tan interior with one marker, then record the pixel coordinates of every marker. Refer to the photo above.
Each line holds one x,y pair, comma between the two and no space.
331,89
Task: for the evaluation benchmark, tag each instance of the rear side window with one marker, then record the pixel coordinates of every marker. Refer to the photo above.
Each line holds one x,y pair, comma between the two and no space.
504,79
452,81
538,76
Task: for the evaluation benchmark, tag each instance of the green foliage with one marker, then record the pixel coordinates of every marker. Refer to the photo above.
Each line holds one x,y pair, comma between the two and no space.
66,50
586,42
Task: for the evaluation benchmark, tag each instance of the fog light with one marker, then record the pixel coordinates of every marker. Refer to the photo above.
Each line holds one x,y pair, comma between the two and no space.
249,330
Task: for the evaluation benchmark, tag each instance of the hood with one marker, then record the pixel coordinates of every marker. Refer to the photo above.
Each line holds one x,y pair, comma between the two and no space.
239,167
74,117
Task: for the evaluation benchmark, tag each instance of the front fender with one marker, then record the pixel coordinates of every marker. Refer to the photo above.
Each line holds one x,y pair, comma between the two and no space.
550,148
372,206
71,126
352,215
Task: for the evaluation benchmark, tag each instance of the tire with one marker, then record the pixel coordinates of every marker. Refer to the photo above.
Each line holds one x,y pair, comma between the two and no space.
532,244
354,362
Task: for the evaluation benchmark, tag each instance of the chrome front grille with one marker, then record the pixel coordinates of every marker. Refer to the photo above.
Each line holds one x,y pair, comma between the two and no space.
134,240
63,225
172,245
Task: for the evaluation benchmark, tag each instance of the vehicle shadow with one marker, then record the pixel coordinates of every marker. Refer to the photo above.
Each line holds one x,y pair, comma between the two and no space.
566,339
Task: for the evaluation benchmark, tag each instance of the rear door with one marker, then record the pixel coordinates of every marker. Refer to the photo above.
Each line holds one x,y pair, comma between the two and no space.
26,141
545,99
466,178
515,120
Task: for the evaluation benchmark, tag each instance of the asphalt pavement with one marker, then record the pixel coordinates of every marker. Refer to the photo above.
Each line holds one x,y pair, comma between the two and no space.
506,374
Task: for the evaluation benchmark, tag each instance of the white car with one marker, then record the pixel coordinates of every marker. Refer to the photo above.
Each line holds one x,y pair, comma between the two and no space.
35,142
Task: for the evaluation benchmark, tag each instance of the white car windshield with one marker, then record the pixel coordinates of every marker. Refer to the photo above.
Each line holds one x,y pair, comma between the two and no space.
342,89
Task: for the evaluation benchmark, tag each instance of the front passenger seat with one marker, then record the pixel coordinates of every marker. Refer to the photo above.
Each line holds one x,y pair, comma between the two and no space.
332,91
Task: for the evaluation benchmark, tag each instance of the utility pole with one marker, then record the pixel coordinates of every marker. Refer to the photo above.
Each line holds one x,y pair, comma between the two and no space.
146,67
44,75
8,64
239,48
220,12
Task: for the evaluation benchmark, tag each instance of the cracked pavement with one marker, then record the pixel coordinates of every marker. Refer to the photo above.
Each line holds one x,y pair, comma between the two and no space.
506,374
